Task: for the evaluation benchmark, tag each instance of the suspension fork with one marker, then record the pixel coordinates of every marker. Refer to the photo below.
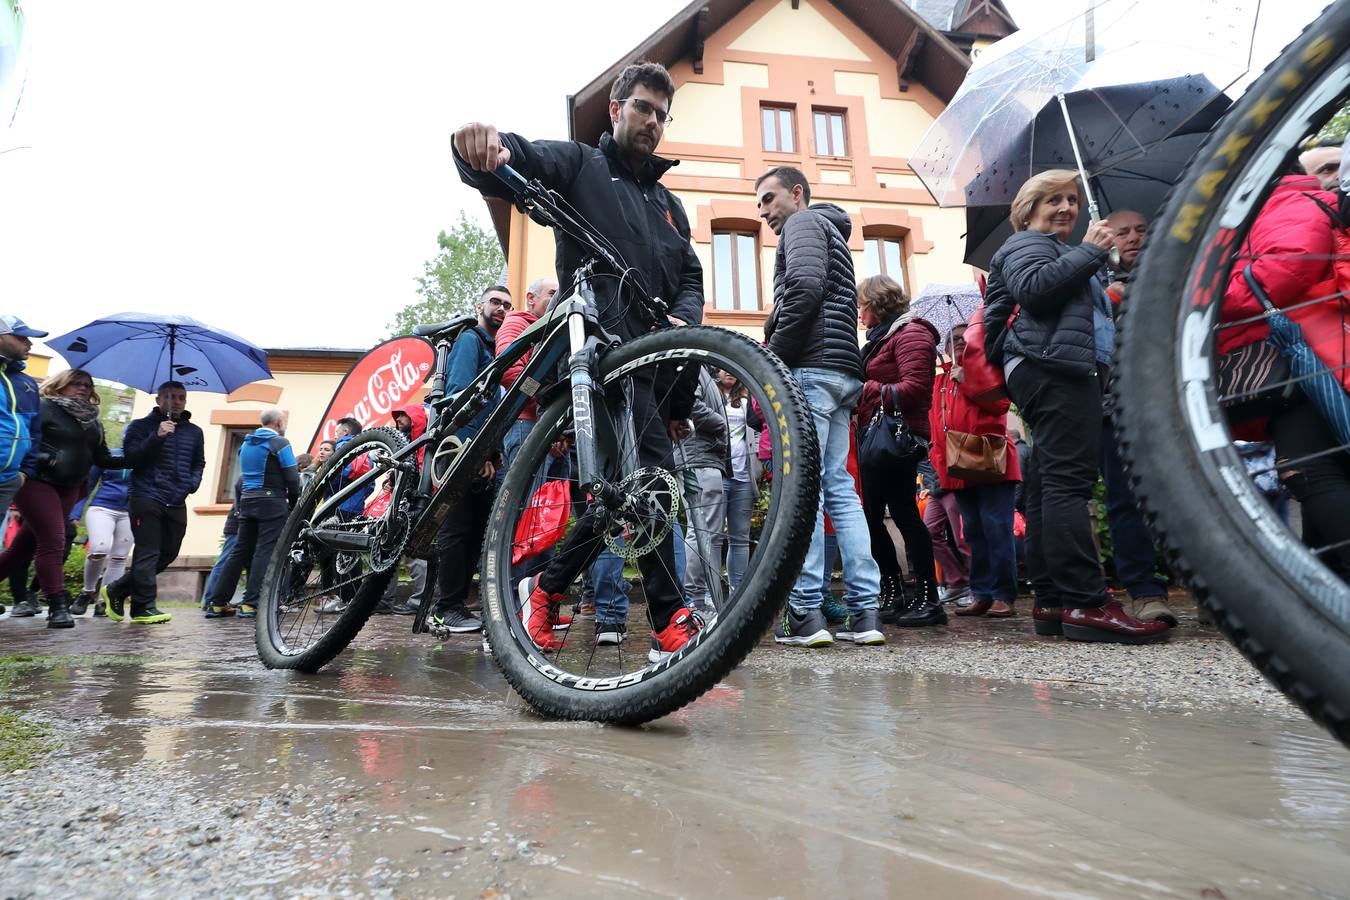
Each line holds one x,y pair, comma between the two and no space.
588,397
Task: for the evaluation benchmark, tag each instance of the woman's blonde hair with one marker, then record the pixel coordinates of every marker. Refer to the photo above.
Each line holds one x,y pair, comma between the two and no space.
53,386
1035,189
883,295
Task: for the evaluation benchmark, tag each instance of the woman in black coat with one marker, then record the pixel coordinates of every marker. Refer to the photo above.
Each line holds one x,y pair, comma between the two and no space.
1048,324
72,443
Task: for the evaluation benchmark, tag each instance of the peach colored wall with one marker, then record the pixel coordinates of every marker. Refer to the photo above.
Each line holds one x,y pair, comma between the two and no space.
812,56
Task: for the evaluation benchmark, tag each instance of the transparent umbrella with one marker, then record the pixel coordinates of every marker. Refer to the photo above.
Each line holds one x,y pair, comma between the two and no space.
1095,92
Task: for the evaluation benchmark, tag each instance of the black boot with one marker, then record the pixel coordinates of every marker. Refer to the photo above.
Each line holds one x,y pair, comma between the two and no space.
24,607
926,609
80,605
892,594
58,611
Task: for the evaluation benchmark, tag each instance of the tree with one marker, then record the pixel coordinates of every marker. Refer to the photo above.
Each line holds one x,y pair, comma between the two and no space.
1334,132
469,260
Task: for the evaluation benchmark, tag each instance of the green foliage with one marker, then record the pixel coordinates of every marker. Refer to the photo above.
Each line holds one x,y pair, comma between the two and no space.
1103,530
1334,132
21,742
114,409
469,260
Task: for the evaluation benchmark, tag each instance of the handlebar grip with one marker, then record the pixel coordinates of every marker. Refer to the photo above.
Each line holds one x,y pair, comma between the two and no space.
511,178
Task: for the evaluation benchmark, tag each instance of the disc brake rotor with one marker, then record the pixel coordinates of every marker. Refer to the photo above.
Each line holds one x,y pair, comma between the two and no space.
652,506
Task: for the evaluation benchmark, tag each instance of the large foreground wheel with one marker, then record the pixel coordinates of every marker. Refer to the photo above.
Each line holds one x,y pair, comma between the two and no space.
315,600
588,677
1272,596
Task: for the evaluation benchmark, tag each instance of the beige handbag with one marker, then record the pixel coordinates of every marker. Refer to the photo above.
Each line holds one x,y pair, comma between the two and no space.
974,458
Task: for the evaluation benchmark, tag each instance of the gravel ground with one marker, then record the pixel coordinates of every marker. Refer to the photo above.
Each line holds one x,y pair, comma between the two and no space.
1195,669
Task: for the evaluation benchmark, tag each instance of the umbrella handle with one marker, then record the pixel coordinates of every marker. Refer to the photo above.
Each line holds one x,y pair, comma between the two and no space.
1257,291
1078,158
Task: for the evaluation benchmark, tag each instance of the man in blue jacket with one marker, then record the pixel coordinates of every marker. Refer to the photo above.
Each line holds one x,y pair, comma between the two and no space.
270,482
20,422
170,448
461,537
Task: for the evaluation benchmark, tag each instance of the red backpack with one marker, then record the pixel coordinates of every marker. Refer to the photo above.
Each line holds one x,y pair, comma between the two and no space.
983,380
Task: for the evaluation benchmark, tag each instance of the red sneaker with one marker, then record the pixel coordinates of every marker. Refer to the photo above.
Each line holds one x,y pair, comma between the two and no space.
537,611
560,622
684,625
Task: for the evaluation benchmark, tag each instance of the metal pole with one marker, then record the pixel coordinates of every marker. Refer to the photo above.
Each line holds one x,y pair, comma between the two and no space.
1078,158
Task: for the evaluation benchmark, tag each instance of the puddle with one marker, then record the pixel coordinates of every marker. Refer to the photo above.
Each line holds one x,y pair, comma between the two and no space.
788,783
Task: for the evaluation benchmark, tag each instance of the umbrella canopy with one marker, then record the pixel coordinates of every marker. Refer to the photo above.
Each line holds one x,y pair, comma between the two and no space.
1093,93
947,305
144,350
1140,184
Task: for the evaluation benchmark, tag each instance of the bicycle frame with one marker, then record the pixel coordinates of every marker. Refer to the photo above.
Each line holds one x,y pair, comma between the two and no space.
571,330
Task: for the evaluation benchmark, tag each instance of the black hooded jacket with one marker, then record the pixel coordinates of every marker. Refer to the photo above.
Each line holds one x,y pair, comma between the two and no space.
814,323
644,221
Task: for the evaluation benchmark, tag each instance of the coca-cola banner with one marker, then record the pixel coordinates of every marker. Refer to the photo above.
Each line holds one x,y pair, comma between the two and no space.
383,380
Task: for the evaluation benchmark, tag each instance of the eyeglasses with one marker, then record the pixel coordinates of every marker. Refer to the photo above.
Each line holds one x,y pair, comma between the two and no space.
498,302
647,109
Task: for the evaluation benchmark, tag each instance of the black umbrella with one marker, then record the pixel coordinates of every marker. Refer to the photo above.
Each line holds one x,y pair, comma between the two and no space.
1140,184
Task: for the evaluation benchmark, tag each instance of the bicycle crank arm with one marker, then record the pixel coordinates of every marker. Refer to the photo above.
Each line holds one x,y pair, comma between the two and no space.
333,539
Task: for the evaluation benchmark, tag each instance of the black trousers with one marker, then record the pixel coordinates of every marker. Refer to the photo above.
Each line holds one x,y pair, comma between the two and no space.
894,487
459,545
1322,484
1064,413
654,405
260,522
158,531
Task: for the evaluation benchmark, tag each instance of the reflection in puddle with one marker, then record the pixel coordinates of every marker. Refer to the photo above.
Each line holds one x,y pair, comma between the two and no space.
796,784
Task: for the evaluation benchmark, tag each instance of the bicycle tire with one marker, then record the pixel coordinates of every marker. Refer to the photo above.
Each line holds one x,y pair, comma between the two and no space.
1270,596
663,687
273,649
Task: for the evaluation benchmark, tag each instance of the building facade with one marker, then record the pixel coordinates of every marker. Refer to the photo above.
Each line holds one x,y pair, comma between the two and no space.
842,90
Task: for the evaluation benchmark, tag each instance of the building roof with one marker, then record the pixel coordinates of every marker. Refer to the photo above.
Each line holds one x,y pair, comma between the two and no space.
921,50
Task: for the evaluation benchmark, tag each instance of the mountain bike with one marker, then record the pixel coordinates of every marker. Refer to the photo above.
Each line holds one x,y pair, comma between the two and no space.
597,397
1273,595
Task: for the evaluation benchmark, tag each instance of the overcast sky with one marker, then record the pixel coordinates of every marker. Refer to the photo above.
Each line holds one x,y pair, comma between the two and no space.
279,169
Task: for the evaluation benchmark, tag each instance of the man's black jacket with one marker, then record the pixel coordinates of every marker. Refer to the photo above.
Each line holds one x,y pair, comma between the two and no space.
814,323
633,210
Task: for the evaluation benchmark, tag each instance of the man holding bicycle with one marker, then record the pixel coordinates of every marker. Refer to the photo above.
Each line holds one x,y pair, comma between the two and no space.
616,186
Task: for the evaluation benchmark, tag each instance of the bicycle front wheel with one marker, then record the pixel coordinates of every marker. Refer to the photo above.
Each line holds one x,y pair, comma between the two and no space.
1274,596
612,668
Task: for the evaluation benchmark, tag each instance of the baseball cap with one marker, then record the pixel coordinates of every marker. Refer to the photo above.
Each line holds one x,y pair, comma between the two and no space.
14,325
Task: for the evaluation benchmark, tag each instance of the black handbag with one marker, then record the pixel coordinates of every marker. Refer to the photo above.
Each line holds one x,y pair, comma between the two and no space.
1254,381
887,440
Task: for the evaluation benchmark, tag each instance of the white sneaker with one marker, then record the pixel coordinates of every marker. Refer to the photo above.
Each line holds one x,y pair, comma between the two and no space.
332,604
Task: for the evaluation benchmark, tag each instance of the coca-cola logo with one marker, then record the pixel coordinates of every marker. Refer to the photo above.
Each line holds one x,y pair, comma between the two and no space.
383,380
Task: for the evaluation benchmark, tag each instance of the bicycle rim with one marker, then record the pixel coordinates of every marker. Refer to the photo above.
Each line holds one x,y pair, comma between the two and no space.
1276,599
632,680
315,600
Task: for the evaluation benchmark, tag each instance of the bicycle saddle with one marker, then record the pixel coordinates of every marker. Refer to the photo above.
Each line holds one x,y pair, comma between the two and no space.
445,329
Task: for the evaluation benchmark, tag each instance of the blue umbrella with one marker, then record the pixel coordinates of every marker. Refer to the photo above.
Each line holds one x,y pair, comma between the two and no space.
145,350
1312,375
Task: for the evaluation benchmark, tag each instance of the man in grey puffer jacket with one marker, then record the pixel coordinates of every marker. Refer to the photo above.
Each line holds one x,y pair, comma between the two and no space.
814,329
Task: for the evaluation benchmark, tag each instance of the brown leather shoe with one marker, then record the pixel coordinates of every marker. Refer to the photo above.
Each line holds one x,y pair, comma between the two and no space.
1151,608
978,608
1110,624
1047,619
1001,610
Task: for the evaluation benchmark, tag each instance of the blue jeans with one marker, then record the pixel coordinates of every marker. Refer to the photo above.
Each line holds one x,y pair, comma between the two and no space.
987,511
830,395
740,497
515,436
611,589
827,573
1136,559
225,550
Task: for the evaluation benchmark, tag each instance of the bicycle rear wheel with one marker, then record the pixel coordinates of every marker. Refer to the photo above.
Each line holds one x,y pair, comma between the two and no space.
629,680
1275,598
315,600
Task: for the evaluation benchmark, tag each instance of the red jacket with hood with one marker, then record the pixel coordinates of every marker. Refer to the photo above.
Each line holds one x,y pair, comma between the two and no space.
964,414
417,414
1290,248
